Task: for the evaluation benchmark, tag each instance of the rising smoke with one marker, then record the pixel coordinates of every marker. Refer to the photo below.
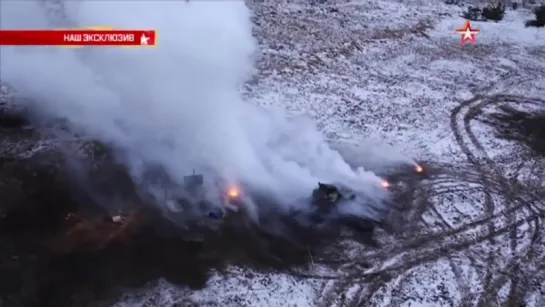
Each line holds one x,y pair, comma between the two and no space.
178,105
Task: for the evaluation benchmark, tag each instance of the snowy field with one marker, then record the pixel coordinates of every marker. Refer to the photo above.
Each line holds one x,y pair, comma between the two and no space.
393,72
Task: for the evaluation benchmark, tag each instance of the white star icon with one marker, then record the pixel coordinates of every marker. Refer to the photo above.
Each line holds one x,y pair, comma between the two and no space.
144,39
468,34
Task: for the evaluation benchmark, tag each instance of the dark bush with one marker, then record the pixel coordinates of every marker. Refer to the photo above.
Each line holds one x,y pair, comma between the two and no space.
472,13
534,23
494,11
540,13
521,126
539,22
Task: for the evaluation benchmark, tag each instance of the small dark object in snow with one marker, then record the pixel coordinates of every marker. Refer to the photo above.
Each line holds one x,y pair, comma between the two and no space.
472,13
325,197
12,121
494,11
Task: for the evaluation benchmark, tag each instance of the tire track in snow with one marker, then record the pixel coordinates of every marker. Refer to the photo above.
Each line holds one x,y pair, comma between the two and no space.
480,171
511,193
475,107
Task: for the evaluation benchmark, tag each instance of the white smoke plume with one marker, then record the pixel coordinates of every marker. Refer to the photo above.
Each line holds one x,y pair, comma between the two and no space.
179,105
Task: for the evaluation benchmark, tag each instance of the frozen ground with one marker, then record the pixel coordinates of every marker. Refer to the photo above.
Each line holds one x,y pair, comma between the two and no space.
393,72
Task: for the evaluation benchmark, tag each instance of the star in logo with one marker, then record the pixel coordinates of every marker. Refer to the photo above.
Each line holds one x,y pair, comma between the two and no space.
469,35
144,39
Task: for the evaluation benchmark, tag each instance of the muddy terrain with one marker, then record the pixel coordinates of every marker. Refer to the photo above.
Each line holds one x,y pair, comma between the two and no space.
81,236
62,245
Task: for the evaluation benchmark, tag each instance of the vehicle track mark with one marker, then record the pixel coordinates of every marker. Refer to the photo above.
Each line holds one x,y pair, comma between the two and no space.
509,190
509,204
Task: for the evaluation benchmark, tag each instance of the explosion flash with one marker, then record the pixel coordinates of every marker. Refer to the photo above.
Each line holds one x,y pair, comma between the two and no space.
233,192
385,184
418,168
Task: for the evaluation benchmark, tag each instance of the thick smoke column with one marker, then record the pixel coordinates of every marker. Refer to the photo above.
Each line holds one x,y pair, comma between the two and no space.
177,105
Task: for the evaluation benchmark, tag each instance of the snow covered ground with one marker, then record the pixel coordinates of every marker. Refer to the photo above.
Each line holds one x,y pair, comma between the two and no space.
393,72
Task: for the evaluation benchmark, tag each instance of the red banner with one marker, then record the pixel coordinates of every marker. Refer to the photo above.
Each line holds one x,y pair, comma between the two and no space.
79,38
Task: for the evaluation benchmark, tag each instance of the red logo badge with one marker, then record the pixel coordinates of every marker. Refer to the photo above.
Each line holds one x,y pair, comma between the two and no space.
469,35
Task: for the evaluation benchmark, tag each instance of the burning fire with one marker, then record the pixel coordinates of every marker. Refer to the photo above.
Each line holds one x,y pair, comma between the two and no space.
385,184
418,168
233,192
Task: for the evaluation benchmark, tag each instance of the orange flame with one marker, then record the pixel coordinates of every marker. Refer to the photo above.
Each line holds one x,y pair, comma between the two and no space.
233,192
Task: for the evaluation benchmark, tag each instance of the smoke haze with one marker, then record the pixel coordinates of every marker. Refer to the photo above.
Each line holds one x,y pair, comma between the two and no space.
179,105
